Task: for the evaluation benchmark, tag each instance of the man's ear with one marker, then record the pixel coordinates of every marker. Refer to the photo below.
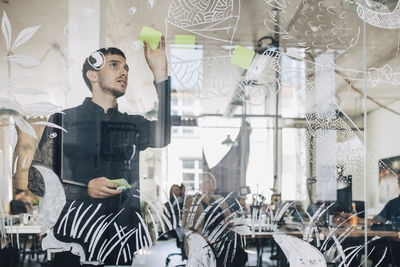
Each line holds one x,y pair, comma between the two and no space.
93,76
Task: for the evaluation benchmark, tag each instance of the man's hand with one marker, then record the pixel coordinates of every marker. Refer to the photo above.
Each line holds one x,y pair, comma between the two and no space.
157,61
102,188
342,217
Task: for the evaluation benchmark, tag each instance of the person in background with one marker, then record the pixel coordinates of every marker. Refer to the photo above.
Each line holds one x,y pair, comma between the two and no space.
181,198
391,211
209,187
176,201
388,218
390,215
20,204
174,194
183,191
218,215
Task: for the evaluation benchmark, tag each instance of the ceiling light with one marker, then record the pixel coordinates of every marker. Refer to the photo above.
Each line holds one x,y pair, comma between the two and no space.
228,141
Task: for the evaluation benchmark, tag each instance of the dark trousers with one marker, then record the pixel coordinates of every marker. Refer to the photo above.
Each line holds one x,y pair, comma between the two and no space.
67,259
392,255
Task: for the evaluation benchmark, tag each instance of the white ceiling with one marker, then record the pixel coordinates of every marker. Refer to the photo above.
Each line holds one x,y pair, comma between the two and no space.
308,23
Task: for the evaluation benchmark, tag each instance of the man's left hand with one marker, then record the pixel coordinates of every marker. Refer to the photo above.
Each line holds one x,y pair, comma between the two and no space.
157,61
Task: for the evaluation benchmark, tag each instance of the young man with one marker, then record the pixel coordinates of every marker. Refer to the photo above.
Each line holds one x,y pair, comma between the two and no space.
102,144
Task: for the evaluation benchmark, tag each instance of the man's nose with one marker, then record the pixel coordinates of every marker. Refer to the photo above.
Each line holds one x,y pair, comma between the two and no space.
124,73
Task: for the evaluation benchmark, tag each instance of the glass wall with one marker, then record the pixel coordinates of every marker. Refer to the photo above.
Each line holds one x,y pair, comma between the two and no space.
272,122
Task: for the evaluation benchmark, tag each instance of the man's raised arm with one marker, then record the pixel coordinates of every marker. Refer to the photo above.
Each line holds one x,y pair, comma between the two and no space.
157,133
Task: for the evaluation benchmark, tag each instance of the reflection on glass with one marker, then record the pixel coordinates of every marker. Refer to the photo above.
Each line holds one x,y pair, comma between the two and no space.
295,116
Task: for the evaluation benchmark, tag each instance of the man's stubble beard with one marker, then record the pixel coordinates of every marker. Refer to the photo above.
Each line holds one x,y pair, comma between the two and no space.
110,90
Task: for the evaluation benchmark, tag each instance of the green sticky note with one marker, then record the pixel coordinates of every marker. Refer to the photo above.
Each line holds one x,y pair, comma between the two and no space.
242,57
150,35
187,40
121,183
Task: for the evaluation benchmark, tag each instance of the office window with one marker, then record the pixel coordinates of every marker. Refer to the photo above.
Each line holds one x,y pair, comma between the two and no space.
188,177
191,174
188,164
294,164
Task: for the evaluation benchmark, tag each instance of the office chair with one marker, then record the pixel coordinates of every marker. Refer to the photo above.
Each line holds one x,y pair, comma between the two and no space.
180,236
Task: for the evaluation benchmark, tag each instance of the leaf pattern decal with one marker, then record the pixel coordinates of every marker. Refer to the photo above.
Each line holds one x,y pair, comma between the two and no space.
41,108
6,29
24,126
25,35
12,136
50,124
23,60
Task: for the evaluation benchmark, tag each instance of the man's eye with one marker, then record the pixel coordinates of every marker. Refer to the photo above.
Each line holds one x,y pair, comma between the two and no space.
114,65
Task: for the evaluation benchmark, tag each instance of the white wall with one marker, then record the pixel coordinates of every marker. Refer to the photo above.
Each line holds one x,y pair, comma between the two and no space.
383,142
83,34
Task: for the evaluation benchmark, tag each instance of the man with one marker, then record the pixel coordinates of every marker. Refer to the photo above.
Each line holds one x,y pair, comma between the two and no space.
102,144
387,219
172,207
389,216
174,199
391,211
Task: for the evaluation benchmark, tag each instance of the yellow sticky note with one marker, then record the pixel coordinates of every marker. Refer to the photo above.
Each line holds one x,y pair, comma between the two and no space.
150,35
187,40
121,183
242,57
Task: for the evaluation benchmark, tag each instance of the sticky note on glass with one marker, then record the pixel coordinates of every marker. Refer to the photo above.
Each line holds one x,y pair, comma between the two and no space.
242,57
150,35
121,183
186,40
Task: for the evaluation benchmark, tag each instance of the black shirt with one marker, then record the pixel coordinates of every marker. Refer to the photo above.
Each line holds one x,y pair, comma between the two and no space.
98,144
391,212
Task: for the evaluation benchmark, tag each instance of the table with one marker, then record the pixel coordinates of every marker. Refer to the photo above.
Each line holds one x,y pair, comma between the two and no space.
259,236
26,231
356,233
22,229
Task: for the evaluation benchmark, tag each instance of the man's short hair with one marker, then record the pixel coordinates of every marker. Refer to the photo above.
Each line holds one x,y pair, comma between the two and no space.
92,61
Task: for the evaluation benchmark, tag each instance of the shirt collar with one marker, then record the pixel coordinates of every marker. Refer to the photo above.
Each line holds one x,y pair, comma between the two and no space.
93,106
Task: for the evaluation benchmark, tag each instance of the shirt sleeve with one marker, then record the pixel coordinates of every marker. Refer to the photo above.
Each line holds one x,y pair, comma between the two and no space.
45,155
384,215
157,133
